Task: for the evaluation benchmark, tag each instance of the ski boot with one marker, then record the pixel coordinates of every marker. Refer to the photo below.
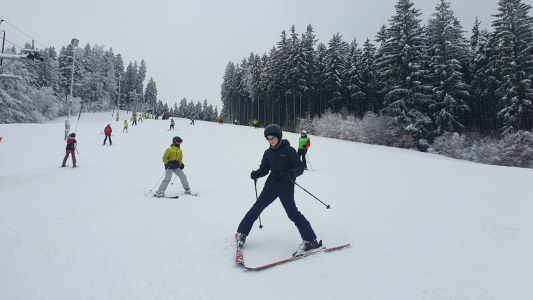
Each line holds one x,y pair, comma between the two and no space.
63,165
307,247
74,165
241,238
159,194
188,191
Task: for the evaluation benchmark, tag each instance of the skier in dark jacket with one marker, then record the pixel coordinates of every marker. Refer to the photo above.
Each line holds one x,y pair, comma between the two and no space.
107,132
282,161
71,147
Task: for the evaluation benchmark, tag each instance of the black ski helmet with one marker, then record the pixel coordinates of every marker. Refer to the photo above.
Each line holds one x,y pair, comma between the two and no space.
274,130
176,139
72,134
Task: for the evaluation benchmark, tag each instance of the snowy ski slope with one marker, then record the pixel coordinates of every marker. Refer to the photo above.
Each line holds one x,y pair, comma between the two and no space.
421,226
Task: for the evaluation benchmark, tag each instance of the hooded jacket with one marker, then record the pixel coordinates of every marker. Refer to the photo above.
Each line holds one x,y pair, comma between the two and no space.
173,157
283,163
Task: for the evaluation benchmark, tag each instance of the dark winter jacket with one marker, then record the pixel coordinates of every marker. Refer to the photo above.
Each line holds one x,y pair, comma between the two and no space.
283,163
71,143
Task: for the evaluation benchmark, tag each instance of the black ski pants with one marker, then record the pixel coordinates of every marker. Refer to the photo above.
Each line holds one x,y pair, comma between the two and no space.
287,200
108,136
301,155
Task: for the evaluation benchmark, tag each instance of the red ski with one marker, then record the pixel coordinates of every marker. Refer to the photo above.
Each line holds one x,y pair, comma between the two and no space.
240,259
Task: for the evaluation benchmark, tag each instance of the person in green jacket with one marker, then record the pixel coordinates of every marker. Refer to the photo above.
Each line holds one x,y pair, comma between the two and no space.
173,159
256,124
303,145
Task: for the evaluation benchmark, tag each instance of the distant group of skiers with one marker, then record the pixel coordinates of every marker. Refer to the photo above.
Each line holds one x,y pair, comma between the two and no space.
281,162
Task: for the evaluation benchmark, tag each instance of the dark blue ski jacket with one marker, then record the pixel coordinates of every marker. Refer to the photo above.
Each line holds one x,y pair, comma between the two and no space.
284,164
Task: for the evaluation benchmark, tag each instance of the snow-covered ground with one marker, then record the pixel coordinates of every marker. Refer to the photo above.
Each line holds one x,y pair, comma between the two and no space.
421,226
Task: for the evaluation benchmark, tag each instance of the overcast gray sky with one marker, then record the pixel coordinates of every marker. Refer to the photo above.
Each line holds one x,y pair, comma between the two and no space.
187,44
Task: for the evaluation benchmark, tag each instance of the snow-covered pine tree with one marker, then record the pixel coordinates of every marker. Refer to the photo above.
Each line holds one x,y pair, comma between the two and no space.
514,28
226,90
176,110
23,102
48,69
309,69
447,49
198,110
141,76
321,66
368,76
279,78
336,70
357,97
109,78
252,79
191,110
401,68
65,70
183,108
129,83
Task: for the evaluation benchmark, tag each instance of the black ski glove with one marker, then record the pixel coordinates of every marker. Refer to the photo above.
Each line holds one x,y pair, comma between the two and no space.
182,166
289,175
254,175
167,166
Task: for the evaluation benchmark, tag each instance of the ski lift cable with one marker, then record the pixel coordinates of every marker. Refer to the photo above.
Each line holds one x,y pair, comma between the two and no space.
14,44
23,33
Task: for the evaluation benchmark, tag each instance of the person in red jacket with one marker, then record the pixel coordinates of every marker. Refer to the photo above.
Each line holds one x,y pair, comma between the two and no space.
107,132
71,147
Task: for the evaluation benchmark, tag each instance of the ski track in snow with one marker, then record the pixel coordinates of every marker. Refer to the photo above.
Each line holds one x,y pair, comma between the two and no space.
421,226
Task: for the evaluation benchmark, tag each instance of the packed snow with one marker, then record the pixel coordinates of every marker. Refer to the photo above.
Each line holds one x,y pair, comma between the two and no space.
421,226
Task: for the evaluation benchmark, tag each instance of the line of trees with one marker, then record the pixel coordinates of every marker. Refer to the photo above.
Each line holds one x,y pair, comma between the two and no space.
43,92
429,79
198,111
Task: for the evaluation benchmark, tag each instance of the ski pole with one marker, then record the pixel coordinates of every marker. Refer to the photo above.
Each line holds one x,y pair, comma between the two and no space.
76,149
309,160
327,206
160,179
174,179
255,184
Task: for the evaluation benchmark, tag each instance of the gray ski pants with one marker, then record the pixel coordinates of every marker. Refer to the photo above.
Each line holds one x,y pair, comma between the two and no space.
168,177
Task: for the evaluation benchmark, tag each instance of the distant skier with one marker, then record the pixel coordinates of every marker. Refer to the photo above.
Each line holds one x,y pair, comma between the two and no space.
125,126
221,120
107,132
256,124
171,124
284,165
192,121
71,147
173,159
303,145
140,117
134,122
